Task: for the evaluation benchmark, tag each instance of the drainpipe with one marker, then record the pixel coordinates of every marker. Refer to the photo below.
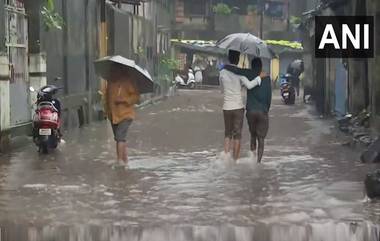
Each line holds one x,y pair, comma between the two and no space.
103,29
102,46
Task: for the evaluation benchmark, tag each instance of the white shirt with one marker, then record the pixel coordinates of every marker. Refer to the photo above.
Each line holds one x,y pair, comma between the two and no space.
234,88
198,74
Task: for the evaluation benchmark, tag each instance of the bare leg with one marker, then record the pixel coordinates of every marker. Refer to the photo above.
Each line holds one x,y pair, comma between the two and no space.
227,145
117,151
122,152
125,155
253,143
260,149
236,149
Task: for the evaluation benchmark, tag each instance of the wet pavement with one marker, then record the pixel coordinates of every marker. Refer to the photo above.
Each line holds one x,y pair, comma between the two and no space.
180,187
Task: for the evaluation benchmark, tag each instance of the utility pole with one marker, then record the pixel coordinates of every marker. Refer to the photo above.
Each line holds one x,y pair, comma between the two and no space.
261,24
262,9
288,15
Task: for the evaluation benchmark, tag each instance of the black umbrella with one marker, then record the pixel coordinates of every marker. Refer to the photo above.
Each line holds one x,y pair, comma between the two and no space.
296,67
142,77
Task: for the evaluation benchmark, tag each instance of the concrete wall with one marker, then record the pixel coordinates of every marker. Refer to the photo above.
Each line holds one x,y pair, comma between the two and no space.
363,74
69,53
2,28
297,7
61,51
4,93
4,85
132,36
374,67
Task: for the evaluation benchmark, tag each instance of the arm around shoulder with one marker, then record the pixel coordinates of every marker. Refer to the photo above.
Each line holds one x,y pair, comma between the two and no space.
251,84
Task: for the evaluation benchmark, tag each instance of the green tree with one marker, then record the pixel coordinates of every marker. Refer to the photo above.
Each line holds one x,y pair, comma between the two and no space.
222,9
167,66
50,17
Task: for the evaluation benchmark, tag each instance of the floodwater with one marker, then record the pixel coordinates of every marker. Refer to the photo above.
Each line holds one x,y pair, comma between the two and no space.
180,186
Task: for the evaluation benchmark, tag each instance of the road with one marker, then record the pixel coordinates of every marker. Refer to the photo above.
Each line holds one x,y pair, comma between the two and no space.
178,186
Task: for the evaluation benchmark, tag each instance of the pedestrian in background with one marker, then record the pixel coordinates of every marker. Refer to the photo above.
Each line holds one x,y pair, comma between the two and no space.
198,75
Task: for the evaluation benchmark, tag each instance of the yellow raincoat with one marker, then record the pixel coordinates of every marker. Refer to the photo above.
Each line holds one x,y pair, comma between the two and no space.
119,97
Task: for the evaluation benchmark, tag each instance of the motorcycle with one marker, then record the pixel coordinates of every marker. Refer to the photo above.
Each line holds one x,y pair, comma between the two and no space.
287,90
47,119
183,82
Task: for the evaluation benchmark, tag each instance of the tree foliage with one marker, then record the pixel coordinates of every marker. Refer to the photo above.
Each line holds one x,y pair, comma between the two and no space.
222,9
50,17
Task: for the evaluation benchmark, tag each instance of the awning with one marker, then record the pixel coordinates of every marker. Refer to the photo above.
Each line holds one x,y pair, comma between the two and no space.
283,46
198,46
131,2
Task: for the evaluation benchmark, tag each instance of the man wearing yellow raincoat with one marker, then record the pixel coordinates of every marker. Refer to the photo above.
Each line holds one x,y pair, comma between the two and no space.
120,96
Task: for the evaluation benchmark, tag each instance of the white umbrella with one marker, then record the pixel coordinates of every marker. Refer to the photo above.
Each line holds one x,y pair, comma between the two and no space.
246,43
143,79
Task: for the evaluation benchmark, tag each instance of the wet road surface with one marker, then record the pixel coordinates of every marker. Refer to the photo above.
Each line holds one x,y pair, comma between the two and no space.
180,187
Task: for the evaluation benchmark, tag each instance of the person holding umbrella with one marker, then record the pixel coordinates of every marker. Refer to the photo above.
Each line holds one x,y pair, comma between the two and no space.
258,104
233,86
258,99
121,95
125,82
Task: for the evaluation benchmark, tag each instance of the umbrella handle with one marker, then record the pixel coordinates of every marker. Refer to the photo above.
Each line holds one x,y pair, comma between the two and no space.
245,57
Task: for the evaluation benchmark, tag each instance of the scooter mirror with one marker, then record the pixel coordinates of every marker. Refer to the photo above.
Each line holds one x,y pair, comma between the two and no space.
32,89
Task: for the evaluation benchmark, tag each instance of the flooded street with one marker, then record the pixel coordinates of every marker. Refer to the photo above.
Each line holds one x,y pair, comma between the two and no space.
179,187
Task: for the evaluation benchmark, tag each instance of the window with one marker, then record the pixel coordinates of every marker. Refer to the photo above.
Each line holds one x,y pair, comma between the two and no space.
195,7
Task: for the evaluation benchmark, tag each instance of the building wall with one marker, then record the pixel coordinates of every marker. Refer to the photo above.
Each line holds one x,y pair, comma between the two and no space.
65,57
374,65
2,28
210,26
297,7
224,25
131,36
363,88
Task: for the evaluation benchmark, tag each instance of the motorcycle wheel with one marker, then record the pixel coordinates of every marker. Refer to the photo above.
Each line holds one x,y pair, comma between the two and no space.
43,144
54,141
192,86
44,148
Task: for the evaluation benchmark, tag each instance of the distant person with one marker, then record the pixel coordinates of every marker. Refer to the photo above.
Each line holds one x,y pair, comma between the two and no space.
296,71
233,86
121,95
258,104
198,75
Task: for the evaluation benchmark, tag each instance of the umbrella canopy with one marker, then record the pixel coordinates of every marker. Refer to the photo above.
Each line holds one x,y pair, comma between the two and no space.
142,77
296,67
246,43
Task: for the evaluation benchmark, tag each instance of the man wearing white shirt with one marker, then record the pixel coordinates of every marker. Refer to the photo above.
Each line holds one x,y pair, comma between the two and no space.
233,87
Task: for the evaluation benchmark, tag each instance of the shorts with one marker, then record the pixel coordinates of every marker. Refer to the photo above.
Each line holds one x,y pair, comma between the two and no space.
233,123
258,123
120,130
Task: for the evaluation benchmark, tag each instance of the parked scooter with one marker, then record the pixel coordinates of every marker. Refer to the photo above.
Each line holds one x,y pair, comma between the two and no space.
287,90
186,82
47,119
